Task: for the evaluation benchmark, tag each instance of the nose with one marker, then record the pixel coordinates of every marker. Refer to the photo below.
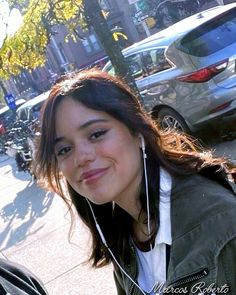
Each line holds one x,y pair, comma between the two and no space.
84,154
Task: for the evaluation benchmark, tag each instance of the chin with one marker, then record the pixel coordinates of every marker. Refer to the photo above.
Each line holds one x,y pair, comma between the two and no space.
99,200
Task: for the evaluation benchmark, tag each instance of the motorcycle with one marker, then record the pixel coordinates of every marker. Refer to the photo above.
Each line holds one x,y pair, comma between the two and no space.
22,154
21,146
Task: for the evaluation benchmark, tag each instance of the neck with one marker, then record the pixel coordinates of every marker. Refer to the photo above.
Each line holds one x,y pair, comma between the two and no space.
129,199
140,229
132,207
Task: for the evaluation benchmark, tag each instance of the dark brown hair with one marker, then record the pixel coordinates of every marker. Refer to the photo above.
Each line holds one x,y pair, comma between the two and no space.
177,153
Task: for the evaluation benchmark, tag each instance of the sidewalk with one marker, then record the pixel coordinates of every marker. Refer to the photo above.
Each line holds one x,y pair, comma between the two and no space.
34,232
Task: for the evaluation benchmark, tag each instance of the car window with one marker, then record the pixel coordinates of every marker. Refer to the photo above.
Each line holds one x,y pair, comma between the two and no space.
135,65
22,114
145,63
110,70
154,61
30,113
36,110
212,36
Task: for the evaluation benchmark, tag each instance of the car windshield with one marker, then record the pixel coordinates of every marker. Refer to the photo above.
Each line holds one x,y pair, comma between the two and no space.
212,36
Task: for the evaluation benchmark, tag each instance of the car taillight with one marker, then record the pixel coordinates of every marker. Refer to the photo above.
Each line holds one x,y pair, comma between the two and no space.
205,74
2,129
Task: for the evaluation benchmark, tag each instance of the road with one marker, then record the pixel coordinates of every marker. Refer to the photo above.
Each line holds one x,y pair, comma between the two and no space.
34,232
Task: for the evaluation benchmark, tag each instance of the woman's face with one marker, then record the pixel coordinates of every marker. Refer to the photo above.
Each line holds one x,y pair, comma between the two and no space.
97,154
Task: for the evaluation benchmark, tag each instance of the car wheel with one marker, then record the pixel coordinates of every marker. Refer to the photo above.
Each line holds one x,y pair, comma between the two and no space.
170,119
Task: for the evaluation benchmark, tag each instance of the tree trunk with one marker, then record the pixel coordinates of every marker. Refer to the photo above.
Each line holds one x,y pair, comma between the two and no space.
4,90
96,19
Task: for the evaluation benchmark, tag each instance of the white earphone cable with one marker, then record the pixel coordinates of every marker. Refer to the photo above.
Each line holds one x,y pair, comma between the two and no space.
148,222
146,185
111,253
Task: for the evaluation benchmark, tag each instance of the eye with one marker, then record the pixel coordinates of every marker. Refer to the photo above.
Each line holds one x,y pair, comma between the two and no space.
63,151
97,134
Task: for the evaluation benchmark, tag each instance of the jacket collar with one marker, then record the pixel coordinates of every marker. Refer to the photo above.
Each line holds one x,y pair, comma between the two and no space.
193,248
195,214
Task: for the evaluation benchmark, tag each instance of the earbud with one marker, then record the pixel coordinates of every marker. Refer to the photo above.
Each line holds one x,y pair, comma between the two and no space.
142,142
143,145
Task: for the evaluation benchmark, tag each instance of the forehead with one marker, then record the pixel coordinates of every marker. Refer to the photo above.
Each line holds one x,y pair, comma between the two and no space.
71,108
71,115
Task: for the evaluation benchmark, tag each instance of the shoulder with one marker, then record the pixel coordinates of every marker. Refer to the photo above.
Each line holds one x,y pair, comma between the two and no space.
206,188
197,199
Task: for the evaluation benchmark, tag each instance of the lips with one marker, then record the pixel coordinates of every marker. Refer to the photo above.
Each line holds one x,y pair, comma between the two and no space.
92,175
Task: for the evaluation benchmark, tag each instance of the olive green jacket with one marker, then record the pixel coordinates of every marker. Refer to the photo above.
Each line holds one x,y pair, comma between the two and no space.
203,250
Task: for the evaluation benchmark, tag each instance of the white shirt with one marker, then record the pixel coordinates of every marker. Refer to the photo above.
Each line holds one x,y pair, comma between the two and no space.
152,264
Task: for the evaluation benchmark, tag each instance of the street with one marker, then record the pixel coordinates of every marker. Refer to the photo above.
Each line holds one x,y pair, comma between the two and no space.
34,232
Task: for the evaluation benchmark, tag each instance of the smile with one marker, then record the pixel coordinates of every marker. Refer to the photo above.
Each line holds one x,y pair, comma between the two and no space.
93,175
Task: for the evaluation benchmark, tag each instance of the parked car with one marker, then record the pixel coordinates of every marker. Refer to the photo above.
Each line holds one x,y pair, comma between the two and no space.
7,116
186,73
30,110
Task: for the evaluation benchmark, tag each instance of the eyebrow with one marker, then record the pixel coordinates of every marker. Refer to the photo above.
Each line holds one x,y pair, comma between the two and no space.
81,127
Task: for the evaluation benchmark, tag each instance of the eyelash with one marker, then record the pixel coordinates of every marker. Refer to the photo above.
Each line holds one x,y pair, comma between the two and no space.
63,151
97,134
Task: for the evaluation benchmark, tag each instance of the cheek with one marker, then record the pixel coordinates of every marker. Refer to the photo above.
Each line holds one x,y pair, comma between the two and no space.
128,156
65,168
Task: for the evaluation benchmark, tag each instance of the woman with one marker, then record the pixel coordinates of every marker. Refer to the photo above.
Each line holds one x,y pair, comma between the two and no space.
160,209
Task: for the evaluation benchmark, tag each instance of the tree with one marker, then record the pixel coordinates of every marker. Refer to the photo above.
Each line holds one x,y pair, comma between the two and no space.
3,88
94,18
3,92
27,48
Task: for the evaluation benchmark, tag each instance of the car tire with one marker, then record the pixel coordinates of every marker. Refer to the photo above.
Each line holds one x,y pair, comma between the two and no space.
170,119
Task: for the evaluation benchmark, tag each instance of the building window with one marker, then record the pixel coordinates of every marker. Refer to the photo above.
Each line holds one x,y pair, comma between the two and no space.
87,46
91,44
94,42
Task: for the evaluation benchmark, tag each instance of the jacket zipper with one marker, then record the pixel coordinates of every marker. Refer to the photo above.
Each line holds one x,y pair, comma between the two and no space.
189,279
131,289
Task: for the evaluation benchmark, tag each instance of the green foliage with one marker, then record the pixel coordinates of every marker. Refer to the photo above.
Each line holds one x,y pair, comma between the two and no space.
27,48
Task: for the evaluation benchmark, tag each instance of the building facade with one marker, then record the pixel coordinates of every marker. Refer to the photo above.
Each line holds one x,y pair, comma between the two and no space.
67,56
130,18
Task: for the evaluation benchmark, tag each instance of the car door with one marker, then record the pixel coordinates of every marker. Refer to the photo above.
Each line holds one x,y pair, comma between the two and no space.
158,85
